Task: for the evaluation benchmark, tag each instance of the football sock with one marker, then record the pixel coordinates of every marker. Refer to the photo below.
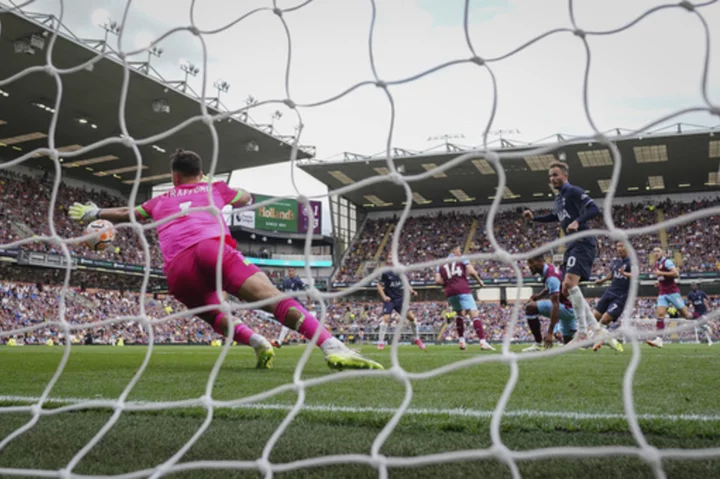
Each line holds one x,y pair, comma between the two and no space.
293,315
478,327
383,330
578,302
660,326
416,329
283,334
241,333
592,322
460,325
534,324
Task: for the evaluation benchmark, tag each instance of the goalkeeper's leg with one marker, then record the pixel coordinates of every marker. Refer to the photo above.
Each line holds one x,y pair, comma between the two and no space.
225,324
293,315
191,287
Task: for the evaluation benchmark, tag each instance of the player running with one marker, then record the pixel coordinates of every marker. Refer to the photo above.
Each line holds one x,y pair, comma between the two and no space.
557,307
573,209
666,273
612,302
291,283
453,277
701,303
390,289
190,245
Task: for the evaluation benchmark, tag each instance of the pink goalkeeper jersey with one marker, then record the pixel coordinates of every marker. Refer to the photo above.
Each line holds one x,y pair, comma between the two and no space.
185,231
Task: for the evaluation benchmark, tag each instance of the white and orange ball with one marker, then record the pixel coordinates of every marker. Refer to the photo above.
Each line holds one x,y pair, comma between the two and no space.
103,234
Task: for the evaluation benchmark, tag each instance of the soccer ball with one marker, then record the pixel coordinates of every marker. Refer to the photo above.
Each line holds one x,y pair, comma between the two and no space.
103,234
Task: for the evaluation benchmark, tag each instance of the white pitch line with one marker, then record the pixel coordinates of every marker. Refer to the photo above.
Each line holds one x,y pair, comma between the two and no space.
459,412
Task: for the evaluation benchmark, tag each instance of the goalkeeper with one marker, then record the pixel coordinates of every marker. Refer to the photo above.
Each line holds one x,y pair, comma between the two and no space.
190,245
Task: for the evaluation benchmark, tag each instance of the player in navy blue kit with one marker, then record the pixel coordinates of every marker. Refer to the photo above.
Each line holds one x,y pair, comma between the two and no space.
291,283
390,289
700,302
573,209
612,303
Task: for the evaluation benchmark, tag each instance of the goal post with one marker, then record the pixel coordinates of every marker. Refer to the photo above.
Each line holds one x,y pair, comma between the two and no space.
632,331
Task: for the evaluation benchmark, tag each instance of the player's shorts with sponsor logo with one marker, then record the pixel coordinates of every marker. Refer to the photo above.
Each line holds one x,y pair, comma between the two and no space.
676,299
566,317
191,275
579,258
612,304
462,302
392,305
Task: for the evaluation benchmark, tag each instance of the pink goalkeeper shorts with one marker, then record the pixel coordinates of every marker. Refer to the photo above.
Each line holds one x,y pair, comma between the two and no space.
191,274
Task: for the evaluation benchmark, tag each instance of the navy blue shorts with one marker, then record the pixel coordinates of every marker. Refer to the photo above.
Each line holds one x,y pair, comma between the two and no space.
392,305
578,259
611,304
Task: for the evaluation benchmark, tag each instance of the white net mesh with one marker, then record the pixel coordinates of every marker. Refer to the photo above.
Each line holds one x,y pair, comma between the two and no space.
374,458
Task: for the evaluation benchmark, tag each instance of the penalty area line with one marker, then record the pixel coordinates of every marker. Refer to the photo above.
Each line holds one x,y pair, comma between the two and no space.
456,412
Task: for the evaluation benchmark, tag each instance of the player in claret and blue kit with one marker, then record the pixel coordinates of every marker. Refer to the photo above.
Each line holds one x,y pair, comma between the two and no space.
700,302
666,273
573,209
191,244
557,307
453,277
391,291
612,302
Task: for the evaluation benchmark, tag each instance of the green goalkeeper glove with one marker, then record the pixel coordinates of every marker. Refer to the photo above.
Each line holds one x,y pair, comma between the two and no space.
204,179
84,212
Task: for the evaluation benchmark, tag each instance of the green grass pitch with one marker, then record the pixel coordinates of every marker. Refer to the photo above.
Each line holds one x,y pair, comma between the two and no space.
574,399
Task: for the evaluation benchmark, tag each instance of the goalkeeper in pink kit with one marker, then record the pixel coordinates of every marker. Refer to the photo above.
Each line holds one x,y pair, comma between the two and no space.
190,245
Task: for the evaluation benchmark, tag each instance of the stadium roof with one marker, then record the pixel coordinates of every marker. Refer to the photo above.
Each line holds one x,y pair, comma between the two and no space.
90,105
654,163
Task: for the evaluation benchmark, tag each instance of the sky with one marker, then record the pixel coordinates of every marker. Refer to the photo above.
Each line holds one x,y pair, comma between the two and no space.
637,76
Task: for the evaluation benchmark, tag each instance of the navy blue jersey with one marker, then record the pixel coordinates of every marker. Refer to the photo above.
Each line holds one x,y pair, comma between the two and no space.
293,284
620,285
698,298
392,285
572,204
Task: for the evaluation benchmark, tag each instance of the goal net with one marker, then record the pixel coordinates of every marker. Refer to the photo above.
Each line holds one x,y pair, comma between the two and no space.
630,331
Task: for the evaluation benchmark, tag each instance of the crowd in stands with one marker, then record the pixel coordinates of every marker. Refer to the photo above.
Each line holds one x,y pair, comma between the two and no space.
425,238
31,305
24,207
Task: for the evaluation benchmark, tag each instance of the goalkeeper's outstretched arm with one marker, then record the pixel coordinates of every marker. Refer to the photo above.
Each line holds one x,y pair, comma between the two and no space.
90,212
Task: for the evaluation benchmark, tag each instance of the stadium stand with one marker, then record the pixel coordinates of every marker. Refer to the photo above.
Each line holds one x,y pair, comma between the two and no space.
425,238
23,304
30,295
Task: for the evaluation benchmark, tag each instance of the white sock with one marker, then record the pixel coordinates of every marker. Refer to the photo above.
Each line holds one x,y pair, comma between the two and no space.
257,341
592,322
283,333
330,344
578,302
415,328
383,329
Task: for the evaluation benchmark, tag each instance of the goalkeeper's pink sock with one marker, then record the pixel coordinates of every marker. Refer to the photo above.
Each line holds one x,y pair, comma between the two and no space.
478,327
241,333
303,322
